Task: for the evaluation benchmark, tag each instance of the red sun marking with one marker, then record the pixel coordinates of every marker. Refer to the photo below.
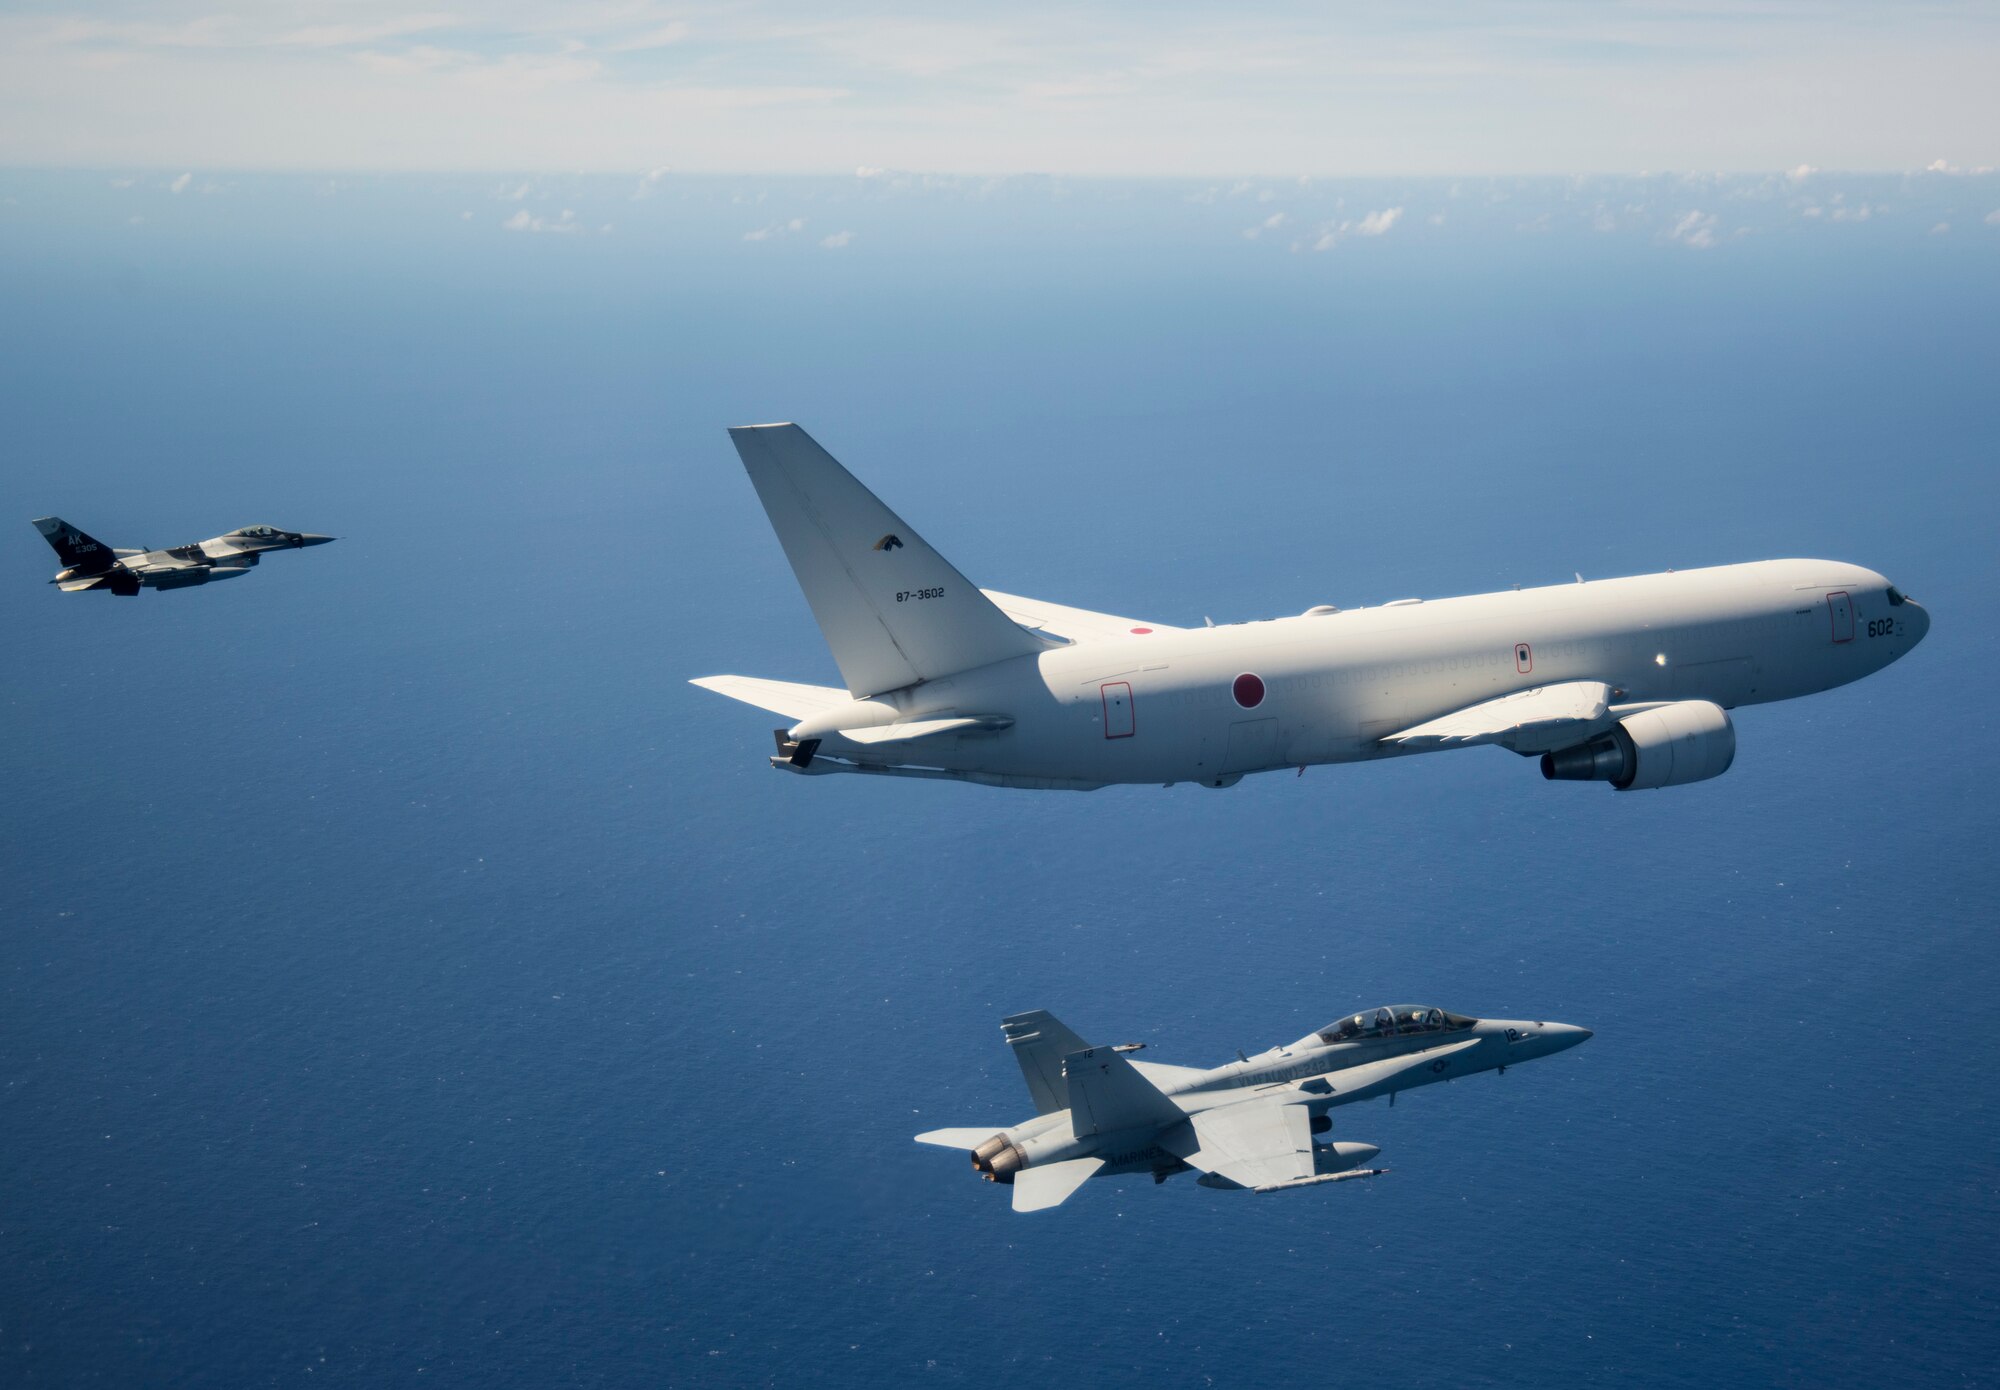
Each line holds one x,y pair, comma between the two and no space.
1248,690
1142,631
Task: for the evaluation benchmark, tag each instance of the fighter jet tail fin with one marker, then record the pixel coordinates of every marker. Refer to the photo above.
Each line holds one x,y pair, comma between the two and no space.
1040,1043
1107,1093
892,609
76,550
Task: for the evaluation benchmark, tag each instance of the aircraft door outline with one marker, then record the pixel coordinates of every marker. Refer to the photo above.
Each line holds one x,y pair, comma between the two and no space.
1120,715
1840,608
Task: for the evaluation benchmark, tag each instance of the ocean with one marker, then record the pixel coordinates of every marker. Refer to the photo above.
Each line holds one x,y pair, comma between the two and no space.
406,977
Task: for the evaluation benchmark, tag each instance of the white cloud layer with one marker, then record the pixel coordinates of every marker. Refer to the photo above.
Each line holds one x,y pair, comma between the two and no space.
1695,229
1424,87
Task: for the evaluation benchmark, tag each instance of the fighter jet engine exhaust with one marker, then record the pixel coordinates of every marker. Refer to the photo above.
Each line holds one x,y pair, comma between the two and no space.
1667,746
998,1160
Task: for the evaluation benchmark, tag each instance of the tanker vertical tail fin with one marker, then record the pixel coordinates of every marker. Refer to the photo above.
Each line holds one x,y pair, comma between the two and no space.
892,609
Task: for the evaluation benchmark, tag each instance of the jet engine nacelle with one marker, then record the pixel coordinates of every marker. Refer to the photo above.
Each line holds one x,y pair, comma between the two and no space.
1667,746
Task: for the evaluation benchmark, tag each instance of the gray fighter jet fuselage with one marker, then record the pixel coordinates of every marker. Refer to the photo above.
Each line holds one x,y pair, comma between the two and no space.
1247,1124
90,564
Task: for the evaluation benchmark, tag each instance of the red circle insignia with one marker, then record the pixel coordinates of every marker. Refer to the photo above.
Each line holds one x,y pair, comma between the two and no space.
1249,690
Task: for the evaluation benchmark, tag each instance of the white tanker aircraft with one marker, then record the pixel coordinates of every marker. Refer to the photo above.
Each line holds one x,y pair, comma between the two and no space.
1626,681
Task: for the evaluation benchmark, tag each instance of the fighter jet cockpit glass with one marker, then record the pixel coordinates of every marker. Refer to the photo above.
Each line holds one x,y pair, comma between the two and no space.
1393,1021
1896,599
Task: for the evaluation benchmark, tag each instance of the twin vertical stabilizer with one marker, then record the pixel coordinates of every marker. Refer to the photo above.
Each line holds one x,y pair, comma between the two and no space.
893,610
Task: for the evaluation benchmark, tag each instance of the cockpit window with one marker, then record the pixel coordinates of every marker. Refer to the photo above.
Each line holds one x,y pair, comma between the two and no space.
1393,1020
1896,599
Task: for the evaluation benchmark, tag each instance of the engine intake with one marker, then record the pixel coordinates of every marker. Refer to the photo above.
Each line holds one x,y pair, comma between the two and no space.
1668,746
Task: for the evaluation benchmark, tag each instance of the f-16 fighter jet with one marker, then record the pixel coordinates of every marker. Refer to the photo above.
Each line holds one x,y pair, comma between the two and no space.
90,564
1246,1124
1626,681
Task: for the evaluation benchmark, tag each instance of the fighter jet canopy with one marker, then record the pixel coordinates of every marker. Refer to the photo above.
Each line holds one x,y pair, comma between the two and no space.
1393,1020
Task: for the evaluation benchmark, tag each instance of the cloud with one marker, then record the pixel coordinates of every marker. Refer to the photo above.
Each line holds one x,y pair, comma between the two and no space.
1378,223
1269,224
1067,89
180,185
1855,214
525,221
649,181
344,35
1802,173
1941,229
661,37
837,240
1993,218
1328,235
868,171
776,230
1695,229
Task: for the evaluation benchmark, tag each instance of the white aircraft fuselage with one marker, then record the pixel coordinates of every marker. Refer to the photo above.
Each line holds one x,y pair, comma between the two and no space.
1619,680
1165,706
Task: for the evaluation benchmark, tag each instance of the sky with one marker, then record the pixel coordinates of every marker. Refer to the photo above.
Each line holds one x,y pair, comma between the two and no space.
1438,87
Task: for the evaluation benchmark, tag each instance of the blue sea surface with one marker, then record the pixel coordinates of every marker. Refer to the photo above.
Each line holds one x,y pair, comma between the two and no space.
407,978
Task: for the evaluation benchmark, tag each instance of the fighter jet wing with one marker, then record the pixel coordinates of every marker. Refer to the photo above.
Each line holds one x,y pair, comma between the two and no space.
1260,1143
166,561
1528,721
1076,624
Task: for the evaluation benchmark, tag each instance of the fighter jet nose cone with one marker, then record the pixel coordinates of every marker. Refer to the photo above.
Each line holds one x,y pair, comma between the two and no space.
1569,1035
309,539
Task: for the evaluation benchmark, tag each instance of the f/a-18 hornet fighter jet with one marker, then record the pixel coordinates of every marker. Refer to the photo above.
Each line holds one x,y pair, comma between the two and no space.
1246,1124
90,564
1626,681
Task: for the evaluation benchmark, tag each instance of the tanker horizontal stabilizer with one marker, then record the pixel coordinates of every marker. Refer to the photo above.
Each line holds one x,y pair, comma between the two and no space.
788,698
1072,624
1254,1145
1038,1189
1528,721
